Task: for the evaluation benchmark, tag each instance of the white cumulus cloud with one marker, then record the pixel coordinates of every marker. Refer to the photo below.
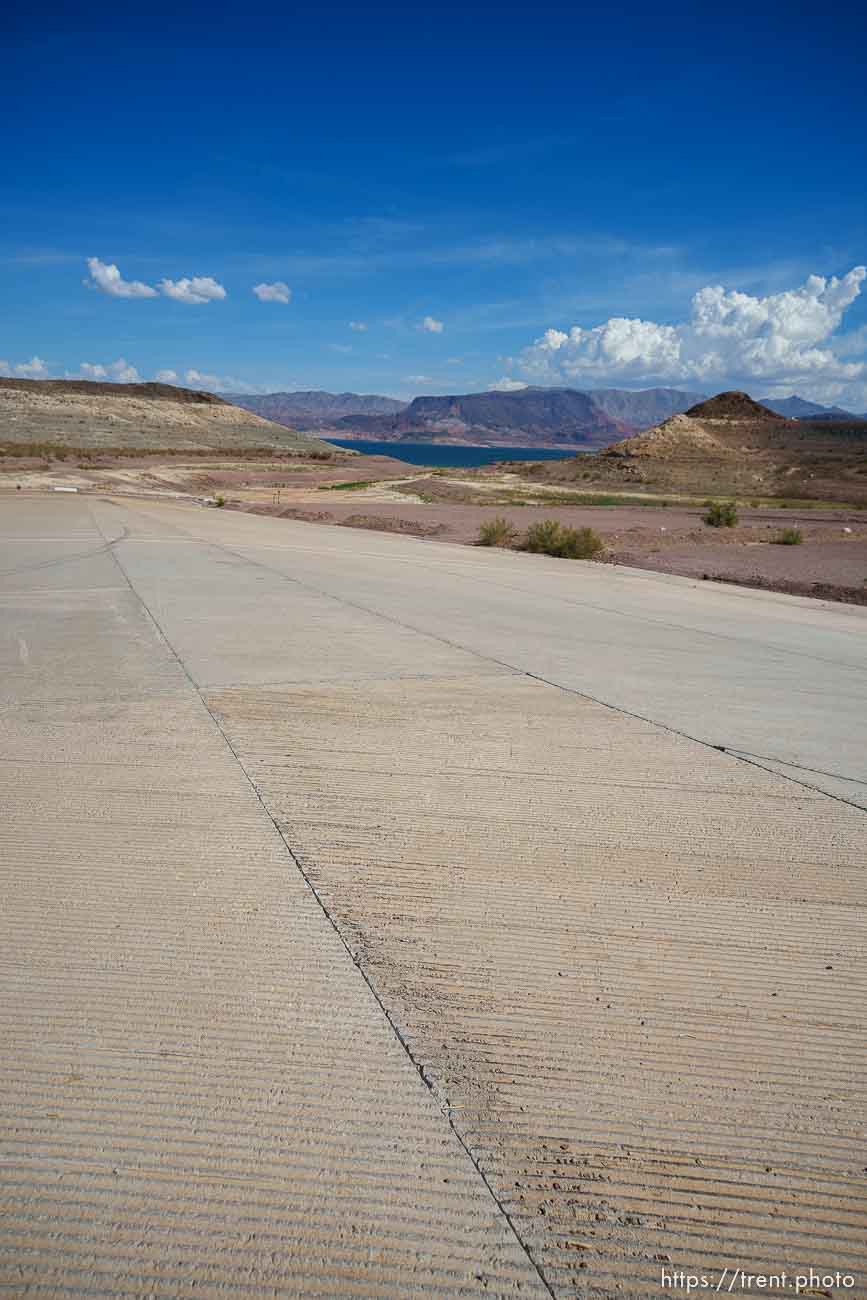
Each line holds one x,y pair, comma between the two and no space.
166,376
852,344
198,289
432,326
108,279
201,379
219,383
506,385
730,338
359,326
276,292
35,368
116,372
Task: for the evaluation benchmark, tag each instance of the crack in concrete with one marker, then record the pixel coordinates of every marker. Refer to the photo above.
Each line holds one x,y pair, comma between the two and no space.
419,1066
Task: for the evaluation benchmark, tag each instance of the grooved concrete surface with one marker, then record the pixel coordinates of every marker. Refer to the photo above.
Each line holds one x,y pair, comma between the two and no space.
629,968
200,1094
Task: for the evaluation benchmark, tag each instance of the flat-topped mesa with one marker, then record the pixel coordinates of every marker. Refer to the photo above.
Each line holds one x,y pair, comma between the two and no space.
161,417
93,388
732,405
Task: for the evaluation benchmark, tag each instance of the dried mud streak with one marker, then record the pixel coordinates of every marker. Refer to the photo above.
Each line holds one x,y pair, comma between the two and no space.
200,1095
417,1065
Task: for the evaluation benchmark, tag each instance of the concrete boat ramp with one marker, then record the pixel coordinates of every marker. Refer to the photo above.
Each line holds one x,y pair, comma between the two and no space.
383,918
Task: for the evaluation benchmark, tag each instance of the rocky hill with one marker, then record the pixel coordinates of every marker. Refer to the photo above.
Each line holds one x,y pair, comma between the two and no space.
732,405
314,409
80,413
732,444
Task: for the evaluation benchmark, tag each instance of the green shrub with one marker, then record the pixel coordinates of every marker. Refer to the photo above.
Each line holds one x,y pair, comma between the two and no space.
790,537
721,514
354,486
219,501
551,538
497,532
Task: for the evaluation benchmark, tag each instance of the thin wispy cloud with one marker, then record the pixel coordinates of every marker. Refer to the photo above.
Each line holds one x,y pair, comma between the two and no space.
359,326
419,253
219,383
279,291
432,326
39,259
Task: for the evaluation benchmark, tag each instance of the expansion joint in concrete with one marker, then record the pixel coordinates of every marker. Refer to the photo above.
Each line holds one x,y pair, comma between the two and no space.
419,1066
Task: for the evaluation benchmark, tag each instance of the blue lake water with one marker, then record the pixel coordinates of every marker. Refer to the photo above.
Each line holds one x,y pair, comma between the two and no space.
433,453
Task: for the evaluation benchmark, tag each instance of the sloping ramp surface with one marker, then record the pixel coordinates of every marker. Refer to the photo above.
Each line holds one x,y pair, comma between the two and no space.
201,1096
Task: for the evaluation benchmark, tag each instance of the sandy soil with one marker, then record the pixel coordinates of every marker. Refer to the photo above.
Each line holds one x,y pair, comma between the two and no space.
382,494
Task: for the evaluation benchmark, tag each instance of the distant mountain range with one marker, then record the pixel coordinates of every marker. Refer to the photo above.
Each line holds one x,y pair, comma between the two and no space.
526,417
547,416
544,417
314,409
798,408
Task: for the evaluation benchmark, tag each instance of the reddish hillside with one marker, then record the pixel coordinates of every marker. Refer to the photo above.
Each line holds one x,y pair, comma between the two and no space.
732,406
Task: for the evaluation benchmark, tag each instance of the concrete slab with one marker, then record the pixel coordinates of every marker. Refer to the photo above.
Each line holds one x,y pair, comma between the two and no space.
466,924
777,678
635,970
201,1094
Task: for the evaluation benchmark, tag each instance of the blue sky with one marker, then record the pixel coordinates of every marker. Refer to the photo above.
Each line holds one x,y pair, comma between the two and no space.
497,195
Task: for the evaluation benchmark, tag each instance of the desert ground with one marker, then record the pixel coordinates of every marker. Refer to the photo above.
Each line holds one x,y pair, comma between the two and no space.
641,528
